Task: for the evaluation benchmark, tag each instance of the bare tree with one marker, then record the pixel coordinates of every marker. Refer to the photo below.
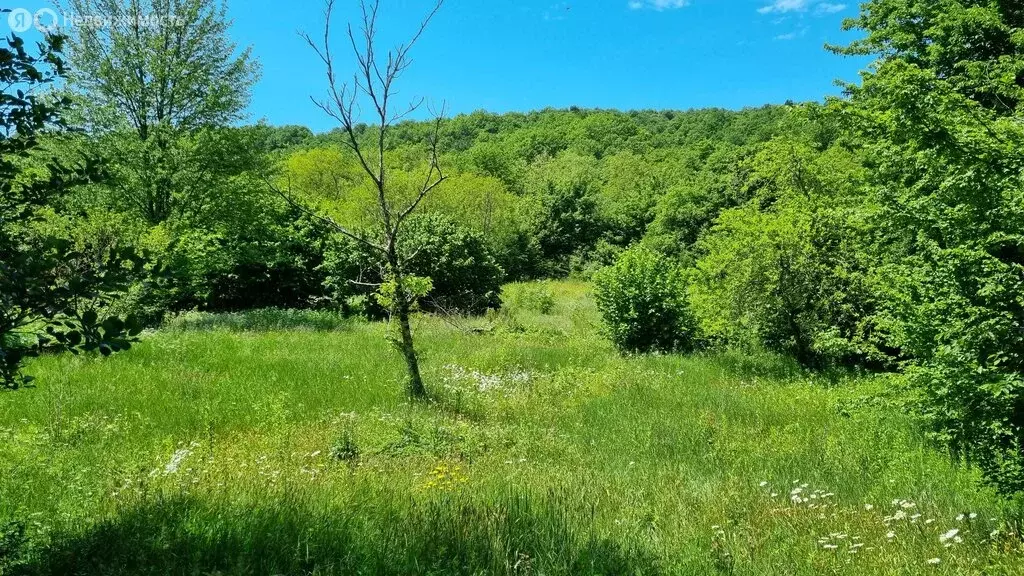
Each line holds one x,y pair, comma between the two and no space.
374,85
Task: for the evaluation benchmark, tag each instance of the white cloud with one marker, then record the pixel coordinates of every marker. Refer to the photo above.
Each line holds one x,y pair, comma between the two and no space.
787,6
829,8
792,35
658,5
783,6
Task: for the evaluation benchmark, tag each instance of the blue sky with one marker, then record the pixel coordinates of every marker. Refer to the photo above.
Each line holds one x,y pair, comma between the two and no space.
500,55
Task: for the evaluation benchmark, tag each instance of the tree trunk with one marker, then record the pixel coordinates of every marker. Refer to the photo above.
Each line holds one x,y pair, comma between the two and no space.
402,309
408,349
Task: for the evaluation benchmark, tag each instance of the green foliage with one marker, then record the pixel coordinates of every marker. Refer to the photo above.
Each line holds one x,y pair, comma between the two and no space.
630,191
163,110
565,219
559,191
14,544
463,274
939,119
412,289
532,296
689,208
51,292
642,299
783,272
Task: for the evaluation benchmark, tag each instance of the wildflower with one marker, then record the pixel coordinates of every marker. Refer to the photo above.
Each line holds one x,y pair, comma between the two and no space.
176,459
763,484
830,546
934,561
949,535
960,518
890,535
869,507
972,516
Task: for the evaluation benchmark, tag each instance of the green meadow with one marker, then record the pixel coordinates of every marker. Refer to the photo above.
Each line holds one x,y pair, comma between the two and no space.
282,443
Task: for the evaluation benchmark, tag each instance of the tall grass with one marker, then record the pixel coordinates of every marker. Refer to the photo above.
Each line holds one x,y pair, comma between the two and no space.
542,452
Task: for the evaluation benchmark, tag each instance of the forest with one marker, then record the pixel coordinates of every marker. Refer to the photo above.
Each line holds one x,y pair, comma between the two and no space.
782,339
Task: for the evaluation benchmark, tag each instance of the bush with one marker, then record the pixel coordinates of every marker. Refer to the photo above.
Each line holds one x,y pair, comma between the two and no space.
642,299
466,279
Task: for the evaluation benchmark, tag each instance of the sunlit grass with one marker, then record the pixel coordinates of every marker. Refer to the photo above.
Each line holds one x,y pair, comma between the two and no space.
543,452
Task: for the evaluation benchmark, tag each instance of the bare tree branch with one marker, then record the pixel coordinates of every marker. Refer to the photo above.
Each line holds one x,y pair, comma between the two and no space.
290,199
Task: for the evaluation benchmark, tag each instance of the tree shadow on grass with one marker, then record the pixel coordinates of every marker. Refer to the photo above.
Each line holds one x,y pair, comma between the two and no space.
514,535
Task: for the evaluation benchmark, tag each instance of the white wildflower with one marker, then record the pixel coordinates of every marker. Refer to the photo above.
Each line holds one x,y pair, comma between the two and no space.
949,535
176,459
934,561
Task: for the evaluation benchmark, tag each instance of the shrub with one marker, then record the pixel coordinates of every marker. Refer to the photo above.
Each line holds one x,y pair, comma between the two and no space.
643,303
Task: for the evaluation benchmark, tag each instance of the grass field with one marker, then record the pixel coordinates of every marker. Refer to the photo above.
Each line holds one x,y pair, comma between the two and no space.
235,445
